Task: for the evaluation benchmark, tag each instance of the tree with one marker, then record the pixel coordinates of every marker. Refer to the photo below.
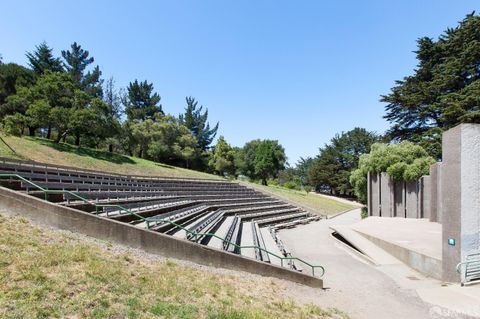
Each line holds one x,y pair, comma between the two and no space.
162,139
76,62
443,91
222,158
42,60
405,161
301,170
112,97
261,159
142,102
330,170
197,123
13,76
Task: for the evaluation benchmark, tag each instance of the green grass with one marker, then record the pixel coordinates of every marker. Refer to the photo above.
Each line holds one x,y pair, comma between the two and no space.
50,274
315,203
46,151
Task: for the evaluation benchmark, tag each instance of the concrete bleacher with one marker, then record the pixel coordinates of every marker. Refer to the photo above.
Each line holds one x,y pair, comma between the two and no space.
180,207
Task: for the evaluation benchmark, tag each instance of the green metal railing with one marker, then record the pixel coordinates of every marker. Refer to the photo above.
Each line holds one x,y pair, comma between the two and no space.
197,236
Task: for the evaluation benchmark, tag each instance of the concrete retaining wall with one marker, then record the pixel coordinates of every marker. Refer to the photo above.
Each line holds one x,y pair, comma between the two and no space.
396,199
427,265
450,195
46,213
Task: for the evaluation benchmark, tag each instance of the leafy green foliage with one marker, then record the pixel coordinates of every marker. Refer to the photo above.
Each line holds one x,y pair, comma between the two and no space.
77,60
42,60
405,161
444,90
12,76
222,158
142,102
262,159
67,100
330,170
162,139
197,123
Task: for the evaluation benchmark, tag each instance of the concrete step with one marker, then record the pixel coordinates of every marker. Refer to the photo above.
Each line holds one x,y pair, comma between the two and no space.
271,246
247,240
221,232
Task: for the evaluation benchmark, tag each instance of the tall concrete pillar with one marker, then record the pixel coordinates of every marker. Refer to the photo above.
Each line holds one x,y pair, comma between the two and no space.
425,199
386,197
369,193
399,199
460,196
434,192
374,206
411,199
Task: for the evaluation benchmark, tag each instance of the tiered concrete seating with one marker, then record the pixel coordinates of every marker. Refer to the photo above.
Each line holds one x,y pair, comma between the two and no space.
236,214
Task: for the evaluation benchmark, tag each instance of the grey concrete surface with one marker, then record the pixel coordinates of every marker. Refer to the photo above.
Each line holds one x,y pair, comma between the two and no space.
386,195
362,290
46,213
434,192
460,191
415,242
411,197
425,196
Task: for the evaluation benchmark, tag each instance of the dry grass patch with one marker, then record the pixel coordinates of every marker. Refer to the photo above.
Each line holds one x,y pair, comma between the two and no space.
50,274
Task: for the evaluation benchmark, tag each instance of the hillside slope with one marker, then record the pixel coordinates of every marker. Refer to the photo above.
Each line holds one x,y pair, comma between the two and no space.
45,151
314,203
48,273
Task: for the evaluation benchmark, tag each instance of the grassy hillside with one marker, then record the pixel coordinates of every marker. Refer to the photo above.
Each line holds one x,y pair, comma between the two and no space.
319,204
52,274
46,151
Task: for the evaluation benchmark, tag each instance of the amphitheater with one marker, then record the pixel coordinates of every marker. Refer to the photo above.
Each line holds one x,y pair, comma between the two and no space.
219,215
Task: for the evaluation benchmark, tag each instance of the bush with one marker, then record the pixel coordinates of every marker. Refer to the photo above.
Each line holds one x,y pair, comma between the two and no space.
364,212
403,162
290,185
14,124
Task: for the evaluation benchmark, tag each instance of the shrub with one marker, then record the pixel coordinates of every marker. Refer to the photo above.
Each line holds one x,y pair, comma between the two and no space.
403,162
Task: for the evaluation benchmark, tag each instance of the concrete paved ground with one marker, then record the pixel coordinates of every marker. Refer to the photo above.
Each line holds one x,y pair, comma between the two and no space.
362,289
419,235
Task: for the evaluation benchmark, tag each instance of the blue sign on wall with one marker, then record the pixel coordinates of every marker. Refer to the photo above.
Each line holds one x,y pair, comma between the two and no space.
451,242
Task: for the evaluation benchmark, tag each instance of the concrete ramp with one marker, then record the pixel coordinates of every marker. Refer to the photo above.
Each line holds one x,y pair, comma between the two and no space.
415,242
371,252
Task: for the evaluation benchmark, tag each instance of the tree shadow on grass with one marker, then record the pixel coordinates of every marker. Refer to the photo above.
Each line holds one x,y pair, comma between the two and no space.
83,151
165,165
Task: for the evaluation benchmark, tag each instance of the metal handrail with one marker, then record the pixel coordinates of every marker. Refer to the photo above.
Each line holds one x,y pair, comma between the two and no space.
156,221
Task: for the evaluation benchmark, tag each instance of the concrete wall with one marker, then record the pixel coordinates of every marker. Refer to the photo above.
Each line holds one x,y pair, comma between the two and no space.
427,265
374,195
411,200
425,195
395,199
451,203
399,199
386,195
50,214
460,193
450,195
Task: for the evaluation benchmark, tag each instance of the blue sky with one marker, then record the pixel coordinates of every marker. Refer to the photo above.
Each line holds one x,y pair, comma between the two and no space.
295,71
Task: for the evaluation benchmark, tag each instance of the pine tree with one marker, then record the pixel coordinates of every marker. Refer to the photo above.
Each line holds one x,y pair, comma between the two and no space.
42,59
142,102
77,60
443,91
196,122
